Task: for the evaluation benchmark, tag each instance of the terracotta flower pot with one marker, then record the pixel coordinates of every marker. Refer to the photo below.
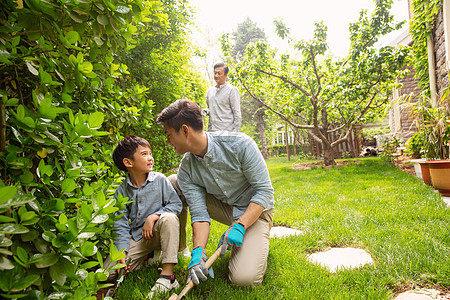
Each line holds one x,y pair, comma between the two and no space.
440,175
425,172
417,167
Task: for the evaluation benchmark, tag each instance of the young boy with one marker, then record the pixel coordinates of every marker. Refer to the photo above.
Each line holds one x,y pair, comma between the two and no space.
150,222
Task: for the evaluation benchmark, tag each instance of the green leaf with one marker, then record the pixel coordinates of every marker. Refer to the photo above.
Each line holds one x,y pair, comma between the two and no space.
102,19
66,98
85,67
68,185
83,130
46,109
20,112
96,119
12,102
22,255
30,236
10,228
5,219
58,275
27,216
88,249
48,236
5,264
15,41
89,264
7,192
46,78
18,200
87,189
24,282
122,9
29,122
5,242
62,219
72,37
26,177
31,68
45,260
6,252
4,60
100,219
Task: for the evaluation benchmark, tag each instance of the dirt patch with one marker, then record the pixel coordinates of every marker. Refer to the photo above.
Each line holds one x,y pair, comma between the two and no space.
401,162
308,165
404,164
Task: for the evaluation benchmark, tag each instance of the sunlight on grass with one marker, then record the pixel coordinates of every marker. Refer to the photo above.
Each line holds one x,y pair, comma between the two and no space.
399,220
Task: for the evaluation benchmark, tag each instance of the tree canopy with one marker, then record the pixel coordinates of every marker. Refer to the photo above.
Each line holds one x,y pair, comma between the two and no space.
327,95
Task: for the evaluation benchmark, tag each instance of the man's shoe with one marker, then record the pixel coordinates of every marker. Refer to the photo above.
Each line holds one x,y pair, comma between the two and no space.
163,285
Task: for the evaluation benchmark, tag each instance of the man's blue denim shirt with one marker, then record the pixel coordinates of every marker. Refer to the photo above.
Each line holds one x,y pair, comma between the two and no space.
155,196
233,170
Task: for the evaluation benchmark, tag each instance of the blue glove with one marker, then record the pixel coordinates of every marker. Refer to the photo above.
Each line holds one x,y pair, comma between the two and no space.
232,237
197,268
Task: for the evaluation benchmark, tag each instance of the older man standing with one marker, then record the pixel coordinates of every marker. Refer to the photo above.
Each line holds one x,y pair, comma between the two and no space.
223,102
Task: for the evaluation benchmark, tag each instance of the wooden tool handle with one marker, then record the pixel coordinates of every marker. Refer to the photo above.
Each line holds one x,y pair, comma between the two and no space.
208,264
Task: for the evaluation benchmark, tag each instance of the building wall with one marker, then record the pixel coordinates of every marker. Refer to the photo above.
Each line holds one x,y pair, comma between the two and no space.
439,53
409,88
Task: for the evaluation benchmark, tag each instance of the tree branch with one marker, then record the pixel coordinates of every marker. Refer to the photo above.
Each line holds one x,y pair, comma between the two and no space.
281,115
286,80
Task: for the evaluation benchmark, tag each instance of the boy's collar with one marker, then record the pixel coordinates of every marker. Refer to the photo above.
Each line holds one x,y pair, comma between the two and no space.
150,178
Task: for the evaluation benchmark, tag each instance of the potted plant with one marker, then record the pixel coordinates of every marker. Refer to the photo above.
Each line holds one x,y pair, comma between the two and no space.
414,148
435,126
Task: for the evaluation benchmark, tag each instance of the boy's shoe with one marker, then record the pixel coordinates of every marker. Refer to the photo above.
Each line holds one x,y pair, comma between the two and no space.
155,259
163,285
184,253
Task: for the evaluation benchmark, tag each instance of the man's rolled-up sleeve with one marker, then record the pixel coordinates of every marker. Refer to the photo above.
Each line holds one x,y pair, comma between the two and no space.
255,170
195,195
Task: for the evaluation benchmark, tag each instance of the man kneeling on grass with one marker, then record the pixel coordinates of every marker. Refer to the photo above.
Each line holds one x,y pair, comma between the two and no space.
223,177
149,223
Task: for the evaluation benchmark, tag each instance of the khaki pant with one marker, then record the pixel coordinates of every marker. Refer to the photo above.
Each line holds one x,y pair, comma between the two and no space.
165,238
248,263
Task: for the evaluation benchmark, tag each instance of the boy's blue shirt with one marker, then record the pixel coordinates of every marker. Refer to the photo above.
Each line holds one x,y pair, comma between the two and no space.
155,196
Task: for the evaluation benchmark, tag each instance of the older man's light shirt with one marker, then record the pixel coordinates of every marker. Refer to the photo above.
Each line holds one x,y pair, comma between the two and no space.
224,108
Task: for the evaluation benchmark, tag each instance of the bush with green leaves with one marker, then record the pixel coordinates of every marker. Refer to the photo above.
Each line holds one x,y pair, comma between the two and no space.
414,146
66,98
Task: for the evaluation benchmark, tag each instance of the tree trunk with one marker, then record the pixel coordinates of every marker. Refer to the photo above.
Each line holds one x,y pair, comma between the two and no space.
262,132
286,139
295,141
328,155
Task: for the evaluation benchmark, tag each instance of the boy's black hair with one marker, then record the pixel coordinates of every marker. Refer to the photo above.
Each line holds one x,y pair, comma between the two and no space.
182,111
126,149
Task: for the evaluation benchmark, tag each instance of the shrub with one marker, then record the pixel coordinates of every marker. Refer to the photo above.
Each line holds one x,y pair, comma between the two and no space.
414,146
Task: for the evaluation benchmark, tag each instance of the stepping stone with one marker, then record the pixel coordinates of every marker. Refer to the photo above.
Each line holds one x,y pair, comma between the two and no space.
280,231
422,294
447,200
341,258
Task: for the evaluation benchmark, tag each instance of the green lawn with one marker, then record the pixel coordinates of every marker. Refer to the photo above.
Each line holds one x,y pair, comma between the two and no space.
400,221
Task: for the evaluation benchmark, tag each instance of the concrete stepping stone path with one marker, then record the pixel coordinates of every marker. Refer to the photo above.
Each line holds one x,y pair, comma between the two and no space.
279,231
341,258
447,200
422,294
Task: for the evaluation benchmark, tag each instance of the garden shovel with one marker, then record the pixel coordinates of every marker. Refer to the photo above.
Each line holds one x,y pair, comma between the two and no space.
190,284
112,290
